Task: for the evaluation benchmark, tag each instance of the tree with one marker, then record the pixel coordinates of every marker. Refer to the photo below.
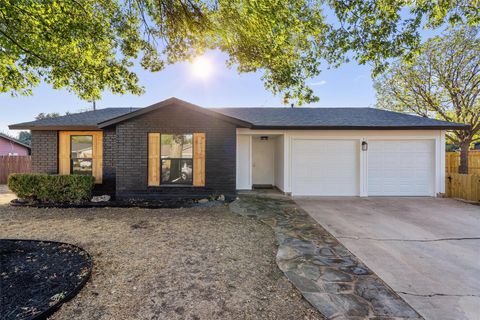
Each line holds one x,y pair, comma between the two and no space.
89,46
443,81
25,137
43,115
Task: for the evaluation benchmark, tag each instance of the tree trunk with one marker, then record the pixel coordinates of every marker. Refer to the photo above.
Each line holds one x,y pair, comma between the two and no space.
463,168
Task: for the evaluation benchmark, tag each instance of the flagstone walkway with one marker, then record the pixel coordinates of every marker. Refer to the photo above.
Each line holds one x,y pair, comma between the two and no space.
330,277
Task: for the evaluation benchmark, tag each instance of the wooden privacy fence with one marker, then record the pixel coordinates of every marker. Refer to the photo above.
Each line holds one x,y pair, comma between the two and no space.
463,186
14,164
452,162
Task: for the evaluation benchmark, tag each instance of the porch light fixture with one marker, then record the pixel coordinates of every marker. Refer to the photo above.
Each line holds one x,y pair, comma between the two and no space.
364,146
264,138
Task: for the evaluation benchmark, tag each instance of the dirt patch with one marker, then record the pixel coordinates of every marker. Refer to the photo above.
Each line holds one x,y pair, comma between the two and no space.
36,277
196,263
5,194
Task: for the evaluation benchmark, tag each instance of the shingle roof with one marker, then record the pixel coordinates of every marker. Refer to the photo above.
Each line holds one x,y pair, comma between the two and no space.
273,118
83,119
176,103
332,118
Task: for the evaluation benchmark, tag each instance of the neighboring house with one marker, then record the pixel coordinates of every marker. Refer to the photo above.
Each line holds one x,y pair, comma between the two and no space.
12,147
175,148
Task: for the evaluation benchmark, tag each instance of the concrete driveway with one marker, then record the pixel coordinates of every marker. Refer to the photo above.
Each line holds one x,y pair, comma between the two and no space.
426,249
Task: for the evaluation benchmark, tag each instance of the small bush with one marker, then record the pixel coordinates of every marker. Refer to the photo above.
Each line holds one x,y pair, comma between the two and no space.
51,188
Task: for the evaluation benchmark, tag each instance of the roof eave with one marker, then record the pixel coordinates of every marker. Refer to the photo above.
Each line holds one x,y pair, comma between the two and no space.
52,128
23,145
451,127
13,140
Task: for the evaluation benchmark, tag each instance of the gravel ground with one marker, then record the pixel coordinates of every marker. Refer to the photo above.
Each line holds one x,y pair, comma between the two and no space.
196,263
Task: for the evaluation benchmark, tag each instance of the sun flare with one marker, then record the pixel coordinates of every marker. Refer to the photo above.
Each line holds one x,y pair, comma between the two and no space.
202,67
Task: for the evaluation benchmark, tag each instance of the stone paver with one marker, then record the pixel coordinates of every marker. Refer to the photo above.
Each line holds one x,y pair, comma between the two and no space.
330,277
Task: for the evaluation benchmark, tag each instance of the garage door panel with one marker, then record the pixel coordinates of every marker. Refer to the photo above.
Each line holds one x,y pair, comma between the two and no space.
325,167
400,168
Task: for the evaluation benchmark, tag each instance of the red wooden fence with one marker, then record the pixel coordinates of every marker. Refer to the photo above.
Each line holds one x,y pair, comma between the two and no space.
14,164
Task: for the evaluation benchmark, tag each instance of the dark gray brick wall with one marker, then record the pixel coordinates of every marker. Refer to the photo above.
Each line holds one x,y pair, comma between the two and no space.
132,155
44,151
45,157
109,150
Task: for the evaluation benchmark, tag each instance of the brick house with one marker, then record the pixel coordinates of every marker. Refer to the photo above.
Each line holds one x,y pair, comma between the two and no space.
175,148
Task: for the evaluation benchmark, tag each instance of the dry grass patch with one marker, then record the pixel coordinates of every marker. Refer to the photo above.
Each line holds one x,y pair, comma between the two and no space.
195,263
5,194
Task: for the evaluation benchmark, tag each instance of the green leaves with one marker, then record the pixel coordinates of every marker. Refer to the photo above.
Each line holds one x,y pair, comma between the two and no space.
89,46
51,188
68,44
443,81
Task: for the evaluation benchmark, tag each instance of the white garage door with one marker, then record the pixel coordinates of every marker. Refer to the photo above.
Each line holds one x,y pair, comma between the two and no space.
400,168
325,167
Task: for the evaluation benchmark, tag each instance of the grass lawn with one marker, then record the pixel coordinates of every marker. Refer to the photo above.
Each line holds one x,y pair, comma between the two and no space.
195,263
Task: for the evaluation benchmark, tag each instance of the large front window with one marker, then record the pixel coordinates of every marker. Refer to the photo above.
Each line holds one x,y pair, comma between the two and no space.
81,153
176,158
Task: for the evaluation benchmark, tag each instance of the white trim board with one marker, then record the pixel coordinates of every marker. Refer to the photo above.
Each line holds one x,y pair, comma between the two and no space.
438,136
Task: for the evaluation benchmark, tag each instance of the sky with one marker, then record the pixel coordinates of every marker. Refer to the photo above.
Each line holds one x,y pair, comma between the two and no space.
349,85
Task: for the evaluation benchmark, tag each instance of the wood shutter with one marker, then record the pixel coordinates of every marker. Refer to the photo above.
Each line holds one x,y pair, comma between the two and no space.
154,159
97,152
97,157
63,152
199,159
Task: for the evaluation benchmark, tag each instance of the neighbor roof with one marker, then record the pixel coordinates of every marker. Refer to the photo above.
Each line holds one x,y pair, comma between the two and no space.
5,136
255,118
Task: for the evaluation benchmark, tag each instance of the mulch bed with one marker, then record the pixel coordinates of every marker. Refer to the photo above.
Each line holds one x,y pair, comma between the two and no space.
36,277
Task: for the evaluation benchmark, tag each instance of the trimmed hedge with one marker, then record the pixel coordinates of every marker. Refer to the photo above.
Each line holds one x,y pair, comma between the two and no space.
51,188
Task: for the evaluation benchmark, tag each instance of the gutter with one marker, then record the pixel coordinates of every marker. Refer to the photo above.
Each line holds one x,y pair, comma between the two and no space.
451,127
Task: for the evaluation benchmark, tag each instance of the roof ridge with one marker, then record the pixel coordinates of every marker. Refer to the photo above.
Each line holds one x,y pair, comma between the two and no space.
288,108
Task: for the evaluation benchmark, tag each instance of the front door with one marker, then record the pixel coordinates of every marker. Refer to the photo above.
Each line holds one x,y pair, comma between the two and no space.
263,161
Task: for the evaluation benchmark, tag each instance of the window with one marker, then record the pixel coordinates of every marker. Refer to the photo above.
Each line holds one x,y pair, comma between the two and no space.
176,163
81,153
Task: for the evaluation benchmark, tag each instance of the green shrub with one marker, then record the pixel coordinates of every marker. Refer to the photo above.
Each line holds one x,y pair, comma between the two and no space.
51,188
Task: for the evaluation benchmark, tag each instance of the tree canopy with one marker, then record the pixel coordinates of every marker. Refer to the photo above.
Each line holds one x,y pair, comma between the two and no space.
43,115
443,81
25,137
89,46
